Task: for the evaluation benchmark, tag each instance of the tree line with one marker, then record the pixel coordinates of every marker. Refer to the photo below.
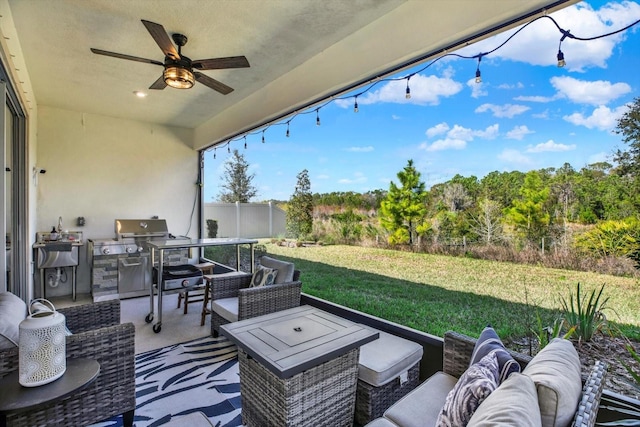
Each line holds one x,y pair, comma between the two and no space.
592,210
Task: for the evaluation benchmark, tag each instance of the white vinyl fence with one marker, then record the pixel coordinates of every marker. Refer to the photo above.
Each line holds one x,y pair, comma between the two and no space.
246,220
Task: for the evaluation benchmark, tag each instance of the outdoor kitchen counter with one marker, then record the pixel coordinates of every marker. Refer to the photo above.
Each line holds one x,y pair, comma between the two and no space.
160,246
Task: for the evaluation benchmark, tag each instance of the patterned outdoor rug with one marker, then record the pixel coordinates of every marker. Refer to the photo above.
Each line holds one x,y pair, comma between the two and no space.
199,375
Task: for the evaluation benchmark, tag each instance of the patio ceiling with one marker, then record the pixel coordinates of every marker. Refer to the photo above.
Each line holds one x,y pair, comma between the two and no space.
300,51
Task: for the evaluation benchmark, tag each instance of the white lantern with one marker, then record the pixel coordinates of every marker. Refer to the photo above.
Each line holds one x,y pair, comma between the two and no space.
42,350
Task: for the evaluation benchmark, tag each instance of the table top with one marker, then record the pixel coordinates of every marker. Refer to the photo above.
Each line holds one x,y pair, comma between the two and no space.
13,396
291,341
194,243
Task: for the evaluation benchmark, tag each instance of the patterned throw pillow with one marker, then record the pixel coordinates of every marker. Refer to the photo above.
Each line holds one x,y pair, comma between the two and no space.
489,341
263,276
473,387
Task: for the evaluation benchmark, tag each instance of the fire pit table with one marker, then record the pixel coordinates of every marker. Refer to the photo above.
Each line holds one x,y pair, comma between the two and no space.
298,367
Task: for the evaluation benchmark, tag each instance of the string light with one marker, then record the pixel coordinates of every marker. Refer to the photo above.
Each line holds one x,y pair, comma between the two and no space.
214,154
478,77
560,56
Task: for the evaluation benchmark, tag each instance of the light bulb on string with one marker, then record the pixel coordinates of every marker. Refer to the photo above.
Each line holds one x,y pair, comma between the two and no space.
408,91
287,130
560,56
228,148
355,105
214,154
318,117
478,74
263,136
245,142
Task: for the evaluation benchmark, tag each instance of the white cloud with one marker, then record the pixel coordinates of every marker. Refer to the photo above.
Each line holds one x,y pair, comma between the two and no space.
358,178
518,132
457,136
514,157
598,92
438,129
425,90
322,176
601,118
490,132
460,132
508,86
543,115
538,43
359,149
550,146
445,144
395,117
507,110
477,89
542,99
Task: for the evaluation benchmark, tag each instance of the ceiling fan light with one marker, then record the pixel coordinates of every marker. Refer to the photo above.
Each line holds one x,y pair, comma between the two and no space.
178,77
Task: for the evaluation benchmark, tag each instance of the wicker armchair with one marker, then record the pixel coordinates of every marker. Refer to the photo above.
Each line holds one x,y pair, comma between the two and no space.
97,334
252,302
457,355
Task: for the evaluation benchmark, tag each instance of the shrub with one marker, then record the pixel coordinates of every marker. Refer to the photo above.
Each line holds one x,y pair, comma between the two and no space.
586,316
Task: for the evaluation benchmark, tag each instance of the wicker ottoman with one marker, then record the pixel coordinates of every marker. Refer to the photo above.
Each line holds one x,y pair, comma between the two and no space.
389,368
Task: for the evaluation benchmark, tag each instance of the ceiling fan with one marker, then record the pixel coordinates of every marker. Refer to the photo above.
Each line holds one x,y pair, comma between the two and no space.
181,72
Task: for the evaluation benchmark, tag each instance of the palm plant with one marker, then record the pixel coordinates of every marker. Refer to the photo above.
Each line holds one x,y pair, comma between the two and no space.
585,314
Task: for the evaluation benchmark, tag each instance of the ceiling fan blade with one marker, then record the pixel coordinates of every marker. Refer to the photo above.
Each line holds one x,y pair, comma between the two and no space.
220,63
212,83
158,84
162,39
123,56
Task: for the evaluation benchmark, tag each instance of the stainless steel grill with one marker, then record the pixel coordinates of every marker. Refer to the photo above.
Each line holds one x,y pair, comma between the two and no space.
120,266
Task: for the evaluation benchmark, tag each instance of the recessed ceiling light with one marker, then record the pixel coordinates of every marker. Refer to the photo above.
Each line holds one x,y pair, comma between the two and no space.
139,93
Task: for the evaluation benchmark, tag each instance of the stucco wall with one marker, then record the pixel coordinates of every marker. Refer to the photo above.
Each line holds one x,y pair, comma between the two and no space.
103,168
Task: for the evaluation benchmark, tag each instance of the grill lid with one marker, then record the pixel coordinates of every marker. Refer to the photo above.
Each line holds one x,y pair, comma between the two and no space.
127,228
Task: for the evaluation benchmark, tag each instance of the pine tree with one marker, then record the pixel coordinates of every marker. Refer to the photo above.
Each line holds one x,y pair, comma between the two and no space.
237,185
300,207
404,208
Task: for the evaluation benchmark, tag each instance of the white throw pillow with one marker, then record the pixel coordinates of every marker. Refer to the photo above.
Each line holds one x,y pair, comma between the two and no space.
12,311
556,372
285,269
514,403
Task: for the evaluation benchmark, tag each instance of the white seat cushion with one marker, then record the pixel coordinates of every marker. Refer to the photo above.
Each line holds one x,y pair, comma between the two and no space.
422,406
226,307
384,359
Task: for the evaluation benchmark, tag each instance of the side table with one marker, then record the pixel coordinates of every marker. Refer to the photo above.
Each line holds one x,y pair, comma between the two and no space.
16,398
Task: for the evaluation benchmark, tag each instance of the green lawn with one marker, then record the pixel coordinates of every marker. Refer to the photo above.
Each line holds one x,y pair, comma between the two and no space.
434,293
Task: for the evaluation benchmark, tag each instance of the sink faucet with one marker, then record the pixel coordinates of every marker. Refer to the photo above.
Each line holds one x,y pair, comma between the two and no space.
59,224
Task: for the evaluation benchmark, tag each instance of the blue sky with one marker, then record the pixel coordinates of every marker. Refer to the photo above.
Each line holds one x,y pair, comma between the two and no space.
525,114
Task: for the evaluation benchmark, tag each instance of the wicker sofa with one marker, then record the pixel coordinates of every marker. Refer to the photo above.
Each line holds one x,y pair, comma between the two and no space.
421,406
96,334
